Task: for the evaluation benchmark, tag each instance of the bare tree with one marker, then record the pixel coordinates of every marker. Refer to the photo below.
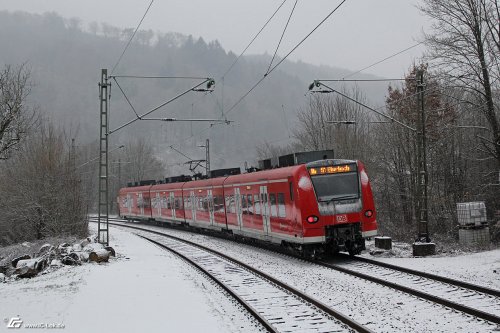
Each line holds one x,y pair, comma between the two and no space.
465,44
141,161
347,135
40,190
16,117
268,150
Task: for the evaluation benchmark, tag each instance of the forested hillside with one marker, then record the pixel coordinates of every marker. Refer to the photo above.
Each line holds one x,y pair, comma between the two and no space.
66,58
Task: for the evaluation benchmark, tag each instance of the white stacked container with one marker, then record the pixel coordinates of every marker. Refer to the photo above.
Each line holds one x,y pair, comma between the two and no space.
471,214
473,225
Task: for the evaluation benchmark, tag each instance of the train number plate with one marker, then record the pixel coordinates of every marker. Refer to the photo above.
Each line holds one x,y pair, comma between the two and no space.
341,218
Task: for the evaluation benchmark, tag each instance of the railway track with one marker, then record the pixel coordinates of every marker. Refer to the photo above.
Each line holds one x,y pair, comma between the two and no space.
480,304
477,301
277,306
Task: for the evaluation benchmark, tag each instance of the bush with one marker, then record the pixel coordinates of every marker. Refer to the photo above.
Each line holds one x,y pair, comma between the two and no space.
40,191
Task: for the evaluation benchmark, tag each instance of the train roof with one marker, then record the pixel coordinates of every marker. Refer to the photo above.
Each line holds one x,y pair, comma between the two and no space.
135,188
329,162
277,173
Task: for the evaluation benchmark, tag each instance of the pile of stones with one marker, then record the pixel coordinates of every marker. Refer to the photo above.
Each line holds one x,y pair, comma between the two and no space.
52,256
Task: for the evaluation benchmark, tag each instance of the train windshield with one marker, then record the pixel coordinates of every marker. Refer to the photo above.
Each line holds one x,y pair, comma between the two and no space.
338,186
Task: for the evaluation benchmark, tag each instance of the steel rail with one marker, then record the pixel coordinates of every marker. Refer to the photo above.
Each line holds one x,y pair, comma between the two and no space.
452,305
233,294
337,315
417,293
458,283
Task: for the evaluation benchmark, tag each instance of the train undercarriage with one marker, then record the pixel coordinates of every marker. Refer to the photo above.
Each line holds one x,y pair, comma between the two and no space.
339,238
345,238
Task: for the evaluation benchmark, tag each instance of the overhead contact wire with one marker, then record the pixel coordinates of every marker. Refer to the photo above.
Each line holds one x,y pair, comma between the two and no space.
381,61
282,35
132,37
253,39
285,57
273,68
126,98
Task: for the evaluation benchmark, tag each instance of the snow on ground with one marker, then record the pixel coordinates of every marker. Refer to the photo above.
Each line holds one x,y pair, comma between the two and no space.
144,289
481,268
148,289
379,308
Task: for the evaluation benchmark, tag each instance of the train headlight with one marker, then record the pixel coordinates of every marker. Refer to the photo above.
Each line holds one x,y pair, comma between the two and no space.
369,213
312,219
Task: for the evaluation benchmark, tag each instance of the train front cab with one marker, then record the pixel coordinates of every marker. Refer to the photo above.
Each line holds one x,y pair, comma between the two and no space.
337,206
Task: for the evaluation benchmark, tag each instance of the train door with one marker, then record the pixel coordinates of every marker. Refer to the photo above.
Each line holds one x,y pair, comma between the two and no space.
194,204
172,204
140,203
210,199
237,202
130,203
264,203
158,204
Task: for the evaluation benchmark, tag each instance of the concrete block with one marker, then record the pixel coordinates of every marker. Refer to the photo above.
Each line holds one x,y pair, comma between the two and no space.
424,249
383,243
479,236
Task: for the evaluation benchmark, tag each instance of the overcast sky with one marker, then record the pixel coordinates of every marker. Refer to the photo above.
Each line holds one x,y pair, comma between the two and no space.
359,34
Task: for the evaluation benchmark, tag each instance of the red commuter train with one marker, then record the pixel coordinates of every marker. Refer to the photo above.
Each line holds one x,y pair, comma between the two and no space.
320,207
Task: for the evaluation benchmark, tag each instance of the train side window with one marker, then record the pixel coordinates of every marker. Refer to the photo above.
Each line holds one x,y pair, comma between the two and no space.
205,203
257,204
272,200
147,202
233,204
250,204
219,204
291,191
244,206
169,203
281,205
230,203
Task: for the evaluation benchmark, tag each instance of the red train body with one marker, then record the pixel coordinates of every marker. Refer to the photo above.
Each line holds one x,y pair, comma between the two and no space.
324,206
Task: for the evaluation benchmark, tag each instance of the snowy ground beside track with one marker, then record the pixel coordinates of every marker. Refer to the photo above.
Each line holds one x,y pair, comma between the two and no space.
481,268
144,289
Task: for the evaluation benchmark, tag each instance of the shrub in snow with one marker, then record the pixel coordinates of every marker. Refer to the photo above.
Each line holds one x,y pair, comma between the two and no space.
30,267
72,259
56,263
45,249
16,260
64,248
111,251
93,247
50,257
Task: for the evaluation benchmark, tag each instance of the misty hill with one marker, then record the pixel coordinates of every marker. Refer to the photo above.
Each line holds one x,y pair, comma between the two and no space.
66,60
